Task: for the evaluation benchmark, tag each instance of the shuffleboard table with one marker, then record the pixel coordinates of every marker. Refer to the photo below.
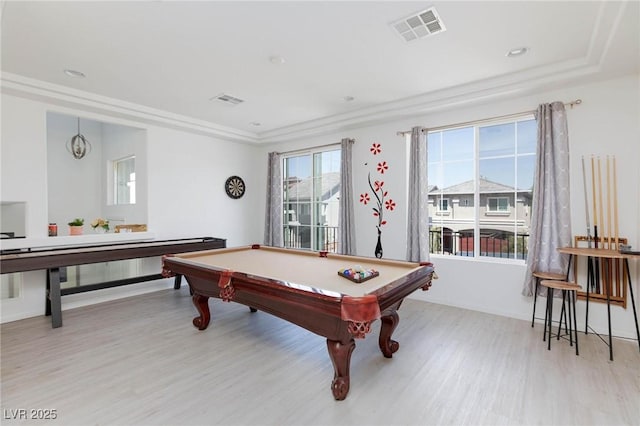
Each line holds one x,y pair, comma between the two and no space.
304,288
53,259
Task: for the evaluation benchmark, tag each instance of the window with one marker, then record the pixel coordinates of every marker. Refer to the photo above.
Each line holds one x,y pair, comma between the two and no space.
124,173
443,206
489,168
311,191
497,204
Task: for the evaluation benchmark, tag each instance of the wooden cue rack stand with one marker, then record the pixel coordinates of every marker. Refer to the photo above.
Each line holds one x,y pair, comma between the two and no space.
615,279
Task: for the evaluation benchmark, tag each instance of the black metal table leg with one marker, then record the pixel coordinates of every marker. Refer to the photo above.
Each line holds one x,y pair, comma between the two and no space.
177,282
574,296
563,314
633,301
54,298
549,313
535,298
606,289
590,283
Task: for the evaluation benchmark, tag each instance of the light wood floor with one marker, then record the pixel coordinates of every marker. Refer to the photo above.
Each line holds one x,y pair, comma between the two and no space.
140,361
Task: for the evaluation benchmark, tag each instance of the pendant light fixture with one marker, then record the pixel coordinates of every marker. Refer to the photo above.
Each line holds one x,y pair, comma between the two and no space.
79,146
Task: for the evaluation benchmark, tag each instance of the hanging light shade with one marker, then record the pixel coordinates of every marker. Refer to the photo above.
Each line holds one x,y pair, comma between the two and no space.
79,146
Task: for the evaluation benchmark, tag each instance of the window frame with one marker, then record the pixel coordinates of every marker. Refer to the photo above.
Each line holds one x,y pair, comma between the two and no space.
444,200
314,209
439,219
130,183
497,210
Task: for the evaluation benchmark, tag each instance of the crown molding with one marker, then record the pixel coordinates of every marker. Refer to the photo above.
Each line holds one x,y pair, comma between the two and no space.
61,95
475,93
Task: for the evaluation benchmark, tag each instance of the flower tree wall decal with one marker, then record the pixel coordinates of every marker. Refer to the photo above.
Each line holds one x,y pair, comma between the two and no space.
379,193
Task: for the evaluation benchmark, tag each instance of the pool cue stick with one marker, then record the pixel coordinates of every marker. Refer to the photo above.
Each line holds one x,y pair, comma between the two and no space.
608,204
595,224
609,239
586,202
619,279
603,275
600,205
615,205
590,276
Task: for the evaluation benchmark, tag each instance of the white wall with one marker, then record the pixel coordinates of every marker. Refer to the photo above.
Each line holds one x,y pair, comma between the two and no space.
187,173
607,122
24,160
186,198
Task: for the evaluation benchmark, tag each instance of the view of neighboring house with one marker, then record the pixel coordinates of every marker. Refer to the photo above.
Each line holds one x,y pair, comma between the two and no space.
505,218
311,212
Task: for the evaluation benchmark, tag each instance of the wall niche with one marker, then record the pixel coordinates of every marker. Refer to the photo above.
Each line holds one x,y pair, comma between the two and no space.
87,187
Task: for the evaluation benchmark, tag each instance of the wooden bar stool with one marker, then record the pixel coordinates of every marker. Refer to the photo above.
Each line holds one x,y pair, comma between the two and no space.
568,289
543,276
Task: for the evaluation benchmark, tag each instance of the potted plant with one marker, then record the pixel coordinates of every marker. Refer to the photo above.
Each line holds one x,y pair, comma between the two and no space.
75,226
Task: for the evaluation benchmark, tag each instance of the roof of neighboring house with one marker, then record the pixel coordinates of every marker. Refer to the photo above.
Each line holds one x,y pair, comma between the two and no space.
468,187
302,189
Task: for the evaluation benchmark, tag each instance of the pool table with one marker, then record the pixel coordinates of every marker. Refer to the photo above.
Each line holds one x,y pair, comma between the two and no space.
304,288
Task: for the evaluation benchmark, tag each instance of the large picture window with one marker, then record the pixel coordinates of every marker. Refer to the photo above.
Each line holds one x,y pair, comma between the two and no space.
483,174
311,191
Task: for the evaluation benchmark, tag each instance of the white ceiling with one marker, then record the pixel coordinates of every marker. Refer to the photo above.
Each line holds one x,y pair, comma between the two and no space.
164,60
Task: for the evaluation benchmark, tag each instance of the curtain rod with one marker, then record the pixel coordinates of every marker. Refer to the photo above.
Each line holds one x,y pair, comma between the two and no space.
433,129
295,151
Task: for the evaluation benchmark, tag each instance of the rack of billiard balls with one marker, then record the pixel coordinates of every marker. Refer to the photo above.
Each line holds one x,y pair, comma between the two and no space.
358,274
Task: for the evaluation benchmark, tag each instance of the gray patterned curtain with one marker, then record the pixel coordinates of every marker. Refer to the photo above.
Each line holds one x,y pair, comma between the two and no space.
273,211
346,228
551,211
418,209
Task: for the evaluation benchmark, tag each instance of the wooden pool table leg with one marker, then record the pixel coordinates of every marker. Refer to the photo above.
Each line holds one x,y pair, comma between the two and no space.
202,305
389,323
340,354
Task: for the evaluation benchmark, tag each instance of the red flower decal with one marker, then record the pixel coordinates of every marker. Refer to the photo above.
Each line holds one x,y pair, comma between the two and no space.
364,198
375,148
382,167
389,205
377,185
384,222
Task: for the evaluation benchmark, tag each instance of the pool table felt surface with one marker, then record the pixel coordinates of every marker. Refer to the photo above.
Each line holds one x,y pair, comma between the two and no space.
304,269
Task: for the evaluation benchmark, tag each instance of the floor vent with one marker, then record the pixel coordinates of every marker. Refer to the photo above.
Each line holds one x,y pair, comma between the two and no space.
419,25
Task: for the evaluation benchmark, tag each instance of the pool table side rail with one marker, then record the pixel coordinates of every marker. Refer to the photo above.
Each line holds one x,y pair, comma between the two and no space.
420,278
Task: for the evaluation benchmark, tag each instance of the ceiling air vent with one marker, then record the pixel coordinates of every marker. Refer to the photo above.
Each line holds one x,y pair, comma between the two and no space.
419,25
227,99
